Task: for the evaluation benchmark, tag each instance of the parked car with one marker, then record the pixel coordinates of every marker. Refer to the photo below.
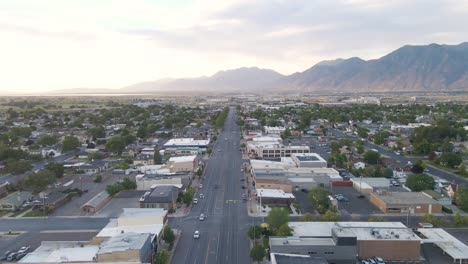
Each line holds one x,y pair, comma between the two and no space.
202,217
371,261
20,255
12,256
200,185
201,196
216,185
195,200
24,249
5,256
425,225
379,260
196,234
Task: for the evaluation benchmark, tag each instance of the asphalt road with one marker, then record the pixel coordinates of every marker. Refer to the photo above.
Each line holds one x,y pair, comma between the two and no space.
223,234
404,160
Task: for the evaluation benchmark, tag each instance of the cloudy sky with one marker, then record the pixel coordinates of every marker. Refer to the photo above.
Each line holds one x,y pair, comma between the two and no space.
56,44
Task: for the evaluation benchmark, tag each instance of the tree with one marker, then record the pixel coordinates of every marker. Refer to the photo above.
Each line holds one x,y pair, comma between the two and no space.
199,172
362,132
38,181
254,232
188,196
157,157
257,253
387,173
462,198
319,198
47,140
286,133
277,217
420,182
450,159
98,178
70,143
113,189
462,170
330,216
97,132
360,147
458,220
16,167
116,145
307,217
417,168
372,157
162,257
284,230
128,184
56,168
142,132
168,235
376,219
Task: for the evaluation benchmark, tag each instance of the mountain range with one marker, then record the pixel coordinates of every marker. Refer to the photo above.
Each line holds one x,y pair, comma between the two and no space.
426,68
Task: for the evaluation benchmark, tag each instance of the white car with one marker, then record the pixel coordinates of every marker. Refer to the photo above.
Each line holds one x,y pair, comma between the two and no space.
196,234
202,217
202,196
195,200
24,249
200,185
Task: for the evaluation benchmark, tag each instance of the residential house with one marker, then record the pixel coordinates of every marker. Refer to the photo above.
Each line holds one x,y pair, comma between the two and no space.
15,200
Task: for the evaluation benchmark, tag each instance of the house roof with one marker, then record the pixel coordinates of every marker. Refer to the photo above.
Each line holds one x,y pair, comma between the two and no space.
96,200
162,194
407,198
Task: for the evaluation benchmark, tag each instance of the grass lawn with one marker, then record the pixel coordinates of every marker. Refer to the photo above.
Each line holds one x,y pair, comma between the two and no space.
35,214
2,213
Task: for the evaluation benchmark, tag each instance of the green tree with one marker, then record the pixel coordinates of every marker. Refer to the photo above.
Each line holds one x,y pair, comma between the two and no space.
307,217
162,257
376,219
199,172
450,159
168,235
97,132
277,217
113,189
372,157
286,133
284,230
462,198
70,143
257,253
387,173
420,182
38,181
254,232
98,178
116,145
462,170
458,220
142,132
188,196
157,157
128,184
363,132
56,168
330,216
319,198
360,148
47,140
16,167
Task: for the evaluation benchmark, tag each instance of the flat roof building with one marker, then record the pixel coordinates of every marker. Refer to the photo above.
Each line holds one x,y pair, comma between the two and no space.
162,196
401,202
126,247
62,252
309,160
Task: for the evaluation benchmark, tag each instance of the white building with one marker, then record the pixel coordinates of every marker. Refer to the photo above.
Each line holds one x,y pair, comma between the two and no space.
272,148
309,160
274,130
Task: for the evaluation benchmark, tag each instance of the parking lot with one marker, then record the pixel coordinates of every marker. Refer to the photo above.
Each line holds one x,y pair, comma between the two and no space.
354,205
128,199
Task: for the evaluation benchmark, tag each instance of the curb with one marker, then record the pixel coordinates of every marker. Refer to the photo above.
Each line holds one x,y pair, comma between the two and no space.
179,235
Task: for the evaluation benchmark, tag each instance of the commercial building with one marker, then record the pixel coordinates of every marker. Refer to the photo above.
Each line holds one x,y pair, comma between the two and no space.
162,196
341,242
177,144
62,252
274,197
147,181
272,148
449,245
309,160
96,203
182,163
278,258
273,130
405,202
126,247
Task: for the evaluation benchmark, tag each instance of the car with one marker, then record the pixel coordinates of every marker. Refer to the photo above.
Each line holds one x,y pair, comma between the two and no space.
426,170
371,261
5,256
216,186
201,196
12,256
379,260
360,196
200,185
196,234
242,179
425,225
225,139
195,200
395,183
20,255
24,249
365,262
219,150
202,217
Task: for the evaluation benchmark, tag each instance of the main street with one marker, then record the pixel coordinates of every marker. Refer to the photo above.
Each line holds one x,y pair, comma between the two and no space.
223,234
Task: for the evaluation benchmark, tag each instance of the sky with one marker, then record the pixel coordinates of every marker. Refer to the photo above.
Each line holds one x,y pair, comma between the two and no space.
55,44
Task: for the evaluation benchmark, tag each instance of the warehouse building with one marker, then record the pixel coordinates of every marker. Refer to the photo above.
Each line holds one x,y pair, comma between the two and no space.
405,202
341,242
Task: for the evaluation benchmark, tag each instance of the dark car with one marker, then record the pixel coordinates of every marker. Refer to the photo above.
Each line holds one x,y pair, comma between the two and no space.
216,185
6,255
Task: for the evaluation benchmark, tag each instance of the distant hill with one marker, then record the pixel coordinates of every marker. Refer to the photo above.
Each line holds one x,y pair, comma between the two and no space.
237,80
430,68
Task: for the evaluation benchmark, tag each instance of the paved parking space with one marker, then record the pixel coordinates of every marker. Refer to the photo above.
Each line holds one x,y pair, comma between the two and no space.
303,200
115,207
355,205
